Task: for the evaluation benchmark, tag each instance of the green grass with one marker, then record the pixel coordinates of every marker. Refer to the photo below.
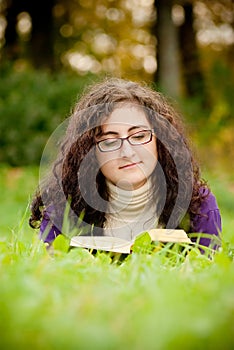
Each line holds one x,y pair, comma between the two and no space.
79,301
17,187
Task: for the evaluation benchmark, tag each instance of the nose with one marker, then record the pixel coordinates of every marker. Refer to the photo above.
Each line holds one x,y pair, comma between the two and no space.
127,149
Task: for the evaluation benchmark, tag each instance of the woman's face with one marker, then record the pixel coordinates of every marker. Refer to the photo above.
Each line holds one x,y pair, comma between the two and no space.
131,165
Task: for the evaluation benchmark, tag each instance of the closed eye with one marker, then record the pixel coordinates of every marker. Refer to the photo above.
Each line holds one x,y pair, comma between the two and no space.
109,142
138,136
141,135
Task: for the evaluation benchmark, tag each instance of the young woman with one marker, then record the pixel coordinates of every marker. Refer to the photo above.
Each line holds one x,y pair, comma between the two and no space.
125,166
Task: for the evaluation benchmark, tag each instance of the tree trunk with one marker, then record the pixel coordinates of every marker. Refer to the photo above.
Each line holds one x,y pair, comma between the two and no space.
41,43
40,46
12,49
192,72
167,75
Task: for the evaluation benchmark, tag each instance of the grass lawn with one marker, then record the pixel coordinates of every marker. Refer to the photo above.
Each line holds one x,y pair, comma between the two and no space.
79,301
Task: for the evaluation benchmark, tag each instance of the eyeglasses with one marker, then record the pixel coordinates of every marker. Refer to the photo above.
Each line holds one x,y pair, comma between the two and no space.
113,144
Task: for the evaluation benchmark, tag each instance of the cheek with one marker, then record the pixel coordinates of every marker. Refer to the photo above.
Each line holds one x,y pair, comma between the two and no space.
150,157
105,162
149,152
109,169
153,149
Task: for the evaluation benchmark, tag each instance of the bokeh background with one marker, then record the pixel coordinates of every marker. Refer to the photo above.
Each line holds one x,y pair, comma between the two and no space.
50,50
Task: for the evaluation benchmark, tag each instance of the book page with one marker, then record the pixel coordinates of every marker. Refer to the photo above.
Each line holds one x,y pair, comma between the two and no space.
112,244
119,245
169,235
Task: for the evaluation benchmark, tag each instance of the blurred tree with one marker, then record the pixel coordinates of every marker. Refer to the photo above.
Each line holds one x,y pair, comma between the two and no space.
217,17
33,21
86,36
117,37
186,45
109,36
190,59
168,70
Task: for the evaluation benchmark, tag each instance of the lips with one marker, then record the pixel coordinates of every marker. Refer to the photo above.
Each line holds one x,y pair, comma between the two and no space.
129,165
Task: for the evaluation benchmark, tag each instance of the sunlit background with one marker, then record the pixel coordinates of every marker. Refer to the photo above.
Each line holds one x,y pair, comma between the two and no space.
115,36
184,48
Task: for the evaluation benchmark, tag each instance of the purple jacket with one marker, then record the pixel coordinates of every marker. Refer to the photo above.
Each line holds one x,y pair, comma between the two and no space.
207,222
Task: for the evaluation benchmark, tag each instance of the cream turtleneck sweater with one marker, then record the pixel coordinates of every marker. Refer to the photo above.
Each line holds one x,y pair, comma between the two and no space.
130,212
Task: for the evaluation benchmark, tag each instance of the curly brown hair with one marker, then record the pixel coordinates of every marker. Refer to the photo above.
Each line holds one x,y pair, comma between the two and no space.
176,167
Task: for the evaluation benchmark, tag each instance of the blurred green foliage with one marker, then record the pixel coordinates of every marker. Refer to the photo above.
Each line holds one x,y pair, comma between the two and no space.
32,104
212,126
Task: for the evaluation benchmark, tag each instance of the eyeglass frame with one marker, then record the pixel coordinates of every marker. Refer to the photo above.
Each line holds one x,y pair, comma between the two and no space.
122,139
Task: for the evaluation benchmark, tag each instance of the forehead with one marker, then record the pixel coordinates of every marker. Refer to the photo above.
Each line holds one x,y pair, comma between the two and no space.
126,116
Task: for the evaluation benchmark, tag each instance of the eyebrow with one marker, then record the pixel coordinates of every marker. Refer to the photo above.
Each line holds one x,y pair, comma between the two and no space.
129,130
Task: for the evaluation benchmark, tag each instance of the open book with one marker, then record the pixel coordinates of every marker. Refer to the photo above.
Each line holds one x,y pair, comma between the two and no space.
119,245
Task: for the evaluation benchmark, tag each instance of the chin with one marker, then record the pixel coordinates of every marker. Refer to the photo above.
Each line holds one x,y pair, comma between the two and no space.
129,184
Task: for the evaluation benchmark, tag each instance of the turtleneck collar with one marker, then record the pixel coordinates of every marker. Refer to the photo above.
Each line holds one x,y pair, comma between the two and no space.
132,203
130,212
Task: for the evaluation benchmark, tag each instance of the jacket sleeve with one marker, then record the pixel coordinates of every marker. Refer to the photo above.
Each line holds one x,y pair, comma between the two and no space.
48,230
208,222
